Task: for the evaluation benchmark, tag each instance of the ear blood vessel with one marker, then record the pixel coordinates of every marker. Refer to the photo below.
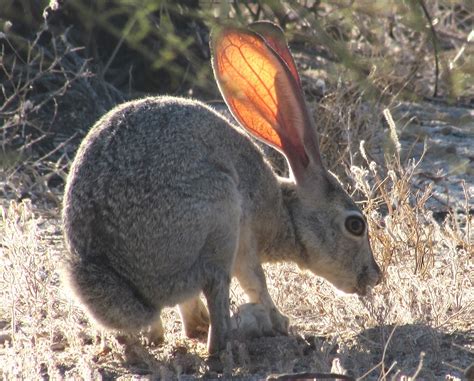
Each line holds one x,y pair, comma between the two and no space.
166,198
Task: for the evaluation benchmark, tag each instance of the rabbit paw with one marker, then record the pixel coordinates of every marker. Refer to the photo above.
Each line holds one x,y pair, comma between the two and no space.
155,334
252,321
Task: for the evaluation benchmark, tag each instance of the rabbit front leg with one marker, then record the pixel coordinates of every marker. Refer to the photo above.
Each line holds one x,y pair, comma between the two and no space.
249,272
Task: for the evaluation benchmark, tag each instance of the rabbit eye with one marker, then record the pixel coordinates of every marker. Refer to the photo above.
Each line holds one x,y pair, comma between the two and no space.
355,225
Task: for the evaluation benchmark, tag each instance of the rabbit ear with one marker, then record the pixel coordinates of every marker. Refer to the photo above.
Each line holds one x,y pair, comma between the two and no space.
263,95
275,37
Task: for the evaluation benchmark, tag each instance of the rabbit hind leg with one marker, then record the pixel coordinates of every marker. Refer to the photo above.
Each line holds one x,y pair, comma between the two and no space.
155,333
218,269
111,300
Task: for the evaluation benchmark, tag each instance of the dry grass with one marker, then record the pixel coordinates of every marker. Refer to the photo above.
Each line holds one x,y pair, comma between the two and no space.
425,304
419,323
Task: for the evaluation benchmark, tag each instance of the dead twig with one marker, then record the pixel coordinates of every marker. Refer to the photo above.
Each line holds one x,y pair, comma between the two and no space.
434,38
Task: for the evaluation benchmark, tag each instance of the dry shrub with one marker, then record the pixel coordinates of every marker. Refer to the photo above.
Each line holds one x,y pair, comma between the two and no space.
48,95
48,100
344,118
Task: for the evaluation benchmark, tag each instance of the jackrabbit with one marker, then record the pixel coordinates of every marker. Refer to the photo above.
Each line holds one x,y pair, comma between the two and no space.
166,199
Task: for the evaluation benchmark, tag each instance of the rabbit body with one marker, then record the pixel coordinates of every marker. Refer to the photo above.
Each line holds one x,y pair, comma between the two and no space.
156,204
166,198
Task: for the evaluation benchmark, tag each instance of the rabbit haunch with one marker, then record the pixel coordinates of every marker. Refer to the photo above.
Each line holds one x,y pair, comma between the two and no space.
166,199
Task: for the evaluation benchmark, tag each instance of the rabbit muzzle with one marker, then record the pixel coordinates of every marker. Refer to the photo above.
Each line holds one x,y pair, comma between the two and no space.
369,277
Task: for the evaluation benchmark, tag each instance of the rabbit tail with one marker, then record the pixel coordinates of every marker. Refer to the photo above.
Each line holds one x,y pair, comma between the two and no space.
110,298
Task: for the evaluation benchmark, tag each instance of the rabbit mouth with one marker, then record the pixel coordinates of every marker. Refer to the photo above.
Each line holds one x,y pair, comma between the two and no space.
362,290
364,283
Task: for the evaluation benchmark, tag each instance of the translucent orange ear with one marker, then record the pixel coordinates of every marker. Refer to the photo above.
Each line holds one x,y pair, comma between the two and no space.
246,79
262,92
275,37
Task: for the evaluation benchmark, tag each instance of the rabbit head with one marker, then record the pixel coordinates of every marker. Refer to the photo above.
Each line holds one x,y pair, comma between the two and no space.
258,79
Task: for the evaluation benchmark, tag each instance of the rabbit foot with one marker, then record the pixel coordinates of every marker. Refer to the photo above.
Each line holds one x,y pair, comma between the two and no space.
155,334
127,338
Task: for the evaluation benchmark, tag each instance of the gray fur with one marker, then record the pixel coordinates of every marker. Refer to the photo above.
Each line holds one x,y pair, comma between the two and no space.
166,199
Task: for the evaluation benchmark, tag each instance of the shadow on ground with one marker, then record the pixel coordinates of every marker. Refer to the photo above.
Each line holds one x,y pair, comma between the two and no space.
412,349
